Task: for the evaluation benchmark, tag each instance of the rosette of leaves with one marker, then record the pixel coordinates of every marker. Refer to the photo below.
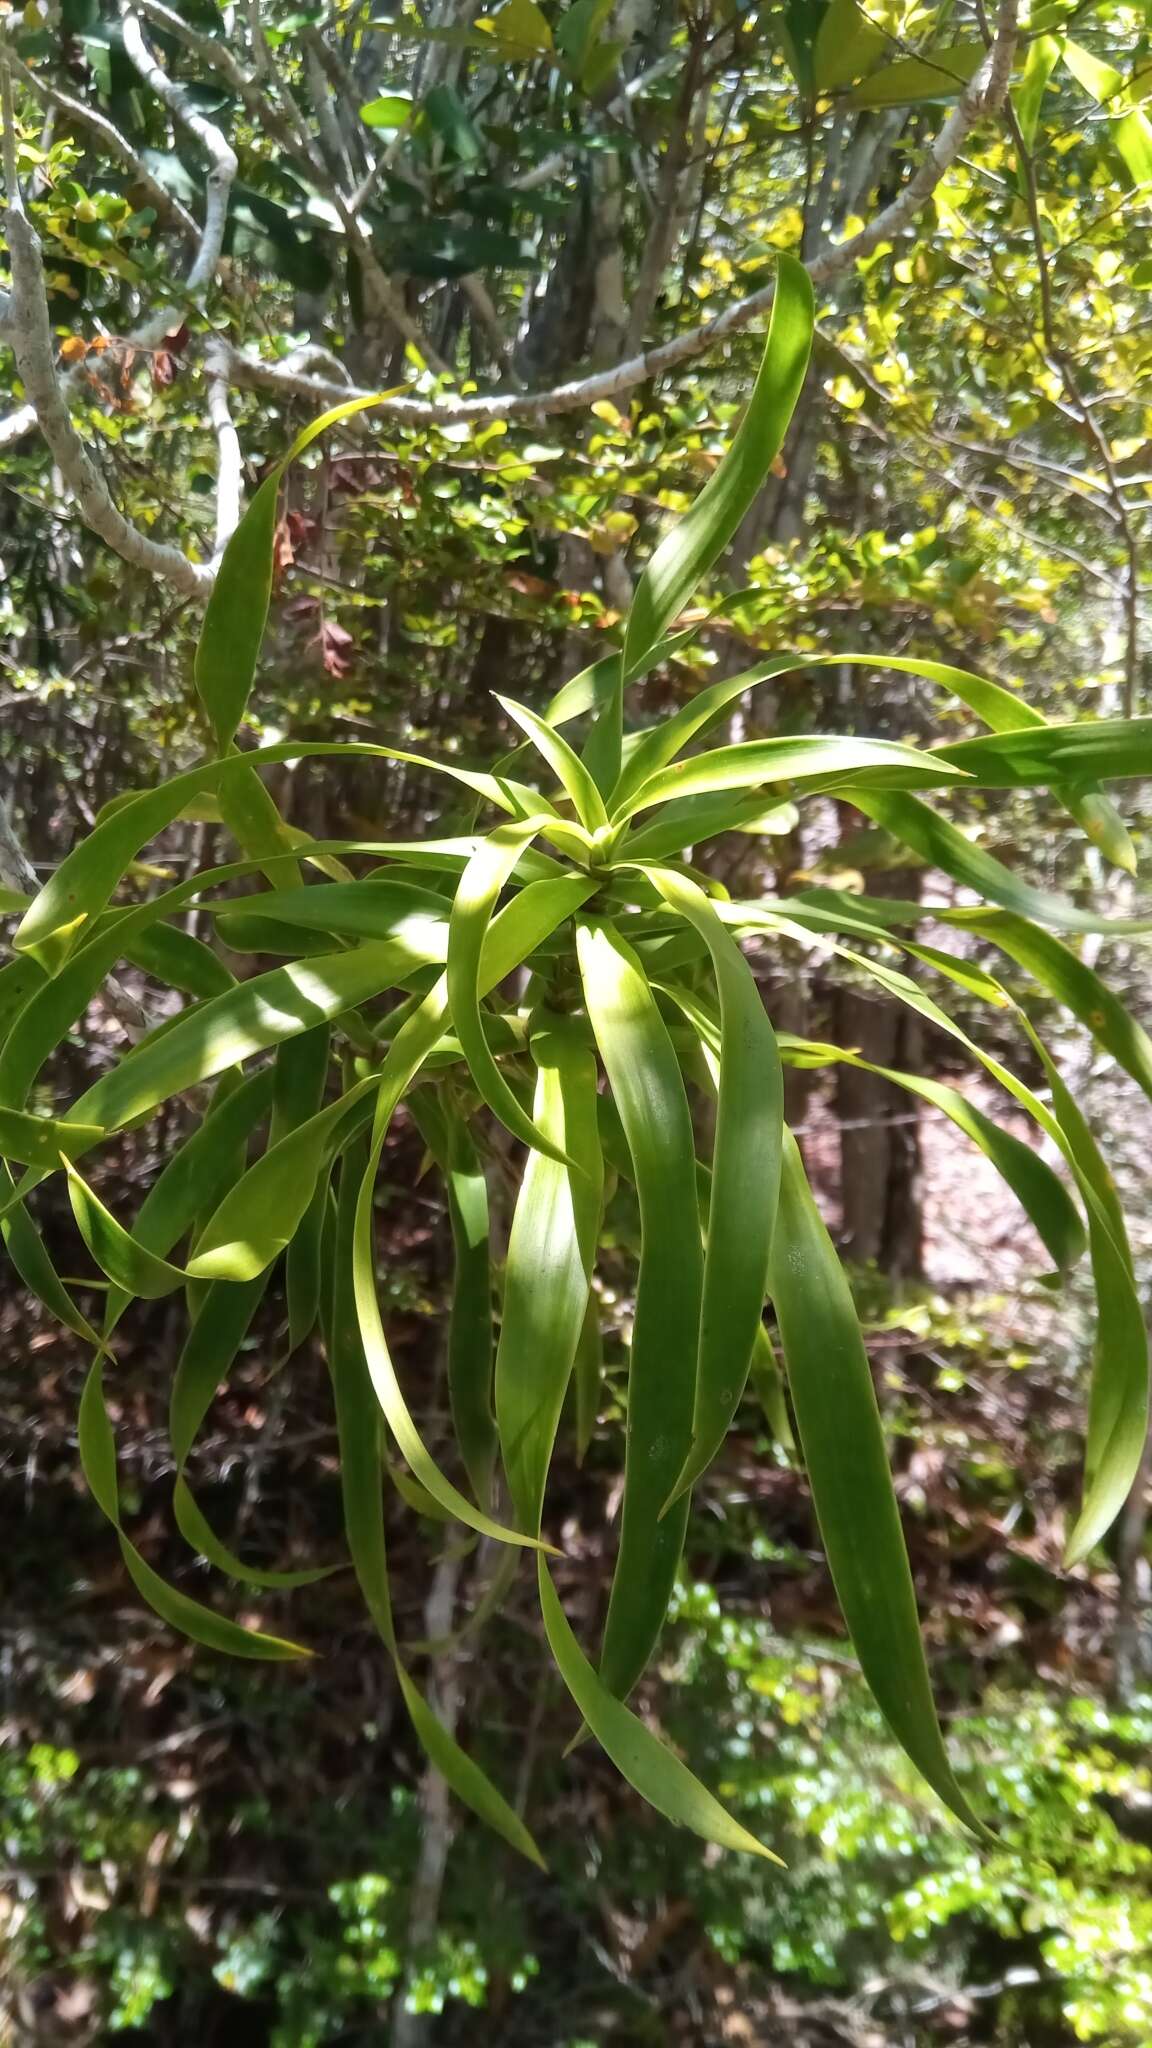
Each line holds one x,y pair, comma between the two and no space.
565,970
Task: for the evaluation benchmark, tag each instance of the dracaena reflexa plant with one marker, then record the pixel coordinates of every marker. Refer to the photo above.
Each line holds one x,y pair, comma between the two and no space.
567,972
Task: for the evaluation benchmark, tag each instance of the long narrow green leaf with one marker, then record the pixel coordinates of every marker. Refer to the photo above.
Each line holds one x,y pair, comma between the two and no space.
1040,1193
369,909
593,687
303,1268
195,1174
890,765
1074,984
843,1443
1051,963
219,1329
202,1624
128,1264
745,1181
768,1382
649,1093
1118,1407
176,958
546,1279
26,1249
82,885
651,1769
472,908
692,820
361,1472
588,1376
1080,752
945,847
256,1014
237,609
1002,709
261,1213
249,811
40,1140
696,543
568,768
470,1337
511,938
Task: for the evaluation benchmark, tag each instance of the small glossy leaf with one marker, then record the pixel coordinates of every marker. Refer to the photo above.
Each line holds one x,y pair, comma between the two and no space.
847,45
912,81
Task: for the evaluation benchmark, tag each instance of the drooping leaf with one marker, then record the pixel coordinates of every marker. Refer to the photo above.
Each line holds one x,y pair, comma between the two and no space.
361,1476
470,1338
551,1248
944,846
745,1181
1027,98
842,1438
1118,1408
201,1624
645,1080
651,1769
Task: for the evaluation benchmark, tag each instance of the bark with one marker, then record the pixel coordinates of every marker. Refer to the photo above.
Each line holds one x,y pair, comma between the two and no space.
880,1154
411,2028
1132,1638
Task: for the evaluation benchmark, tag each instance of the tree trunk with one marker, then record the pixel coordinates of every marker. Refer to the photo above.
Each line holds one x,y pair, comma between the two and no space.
1132,1640
880,1154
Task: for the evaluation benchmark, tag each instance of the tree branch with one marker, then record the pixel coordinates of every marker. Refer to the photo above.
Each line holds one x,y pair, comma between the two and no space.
229,460
212,140
984,95
164,203
32,339
1060,360
29,333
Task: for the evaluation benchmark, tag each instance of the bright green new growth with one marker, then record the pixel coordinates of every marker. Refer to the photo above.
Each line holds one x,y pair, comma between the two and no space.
568,974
